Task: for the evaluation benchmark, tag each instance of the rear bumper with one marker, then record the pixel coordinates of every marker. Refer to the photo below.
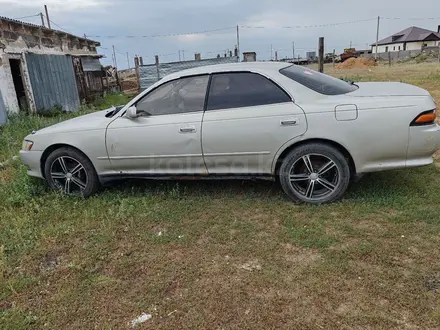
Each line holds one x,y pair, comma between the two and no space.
422,144
32,160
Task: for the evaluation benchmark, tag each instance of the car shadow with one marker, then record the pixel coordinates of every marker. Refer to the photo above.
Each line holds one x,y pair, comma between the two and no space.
381,186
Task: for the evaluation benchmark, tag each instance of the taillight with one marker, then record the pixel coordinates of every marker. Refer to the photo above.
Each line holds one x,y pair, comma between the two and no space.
425,118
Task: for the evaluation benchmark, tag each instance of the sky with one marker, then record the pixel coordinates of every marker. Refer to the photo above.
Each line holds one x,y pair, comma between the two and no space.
263,24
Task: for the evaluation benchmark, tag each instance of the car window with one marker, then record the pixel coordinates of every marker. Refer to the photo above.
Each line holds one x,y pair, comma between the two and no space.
243,89
177,96
317,81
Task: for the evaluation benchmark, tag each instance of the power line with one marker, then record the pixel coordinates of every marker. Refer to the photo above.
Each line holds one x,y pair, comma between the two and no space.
60,27
231,28
169,35
411,18
17,18
307,26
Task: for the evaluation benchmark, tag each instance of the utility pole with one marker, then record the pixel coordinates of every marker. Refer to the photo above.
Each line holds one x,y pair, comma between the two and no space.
42,19
238,43
377,36
350,43
183,54
179,56
321,54
271,52
128,62
333,57
293,51
114,56
157,66
47,16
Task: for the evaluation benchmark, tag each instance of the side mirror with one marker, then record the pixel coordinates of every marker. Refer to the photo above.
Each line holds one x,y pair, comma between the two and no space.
132,112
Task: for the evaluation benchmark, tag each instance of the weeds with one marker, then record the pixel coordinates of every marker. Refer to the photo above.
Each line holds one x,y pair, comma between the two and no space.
176,250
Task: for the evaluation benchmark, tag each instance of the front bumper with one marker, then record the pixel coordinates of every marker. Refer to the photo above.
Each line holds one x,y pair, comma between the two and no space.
32,160
424,141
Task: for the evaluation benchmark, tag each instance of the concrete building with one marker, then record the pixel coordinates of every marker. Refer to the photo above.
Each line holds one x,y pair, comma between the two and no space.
249,56
412,38
41,68
311,56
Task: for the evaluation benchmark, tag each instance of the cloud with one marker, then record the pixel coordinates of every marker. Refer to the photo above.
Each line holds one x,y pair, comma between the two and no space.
54,5
123,18
191,38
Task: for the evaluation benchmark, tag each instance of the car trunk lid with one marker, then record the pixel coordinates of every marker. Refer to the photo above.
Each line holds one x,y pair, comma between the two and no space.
383,89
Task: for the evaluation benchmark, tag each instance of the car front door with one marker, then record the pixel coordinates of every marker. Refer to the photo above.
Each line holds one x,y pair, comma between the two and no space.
247,120
166,138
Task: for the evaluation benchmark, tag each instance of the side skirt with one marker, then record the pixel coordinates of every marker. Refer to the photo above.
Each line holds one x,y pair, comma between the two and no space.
105,179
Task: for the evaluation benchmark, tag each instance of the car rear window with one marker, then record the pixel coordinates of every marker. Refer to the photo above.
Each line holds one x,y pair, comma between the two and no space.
317,81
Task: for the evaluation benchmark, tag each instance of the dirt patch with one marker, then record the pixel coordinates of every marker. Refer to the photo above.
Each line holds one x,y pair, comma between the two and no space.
250,266
357,63
300,255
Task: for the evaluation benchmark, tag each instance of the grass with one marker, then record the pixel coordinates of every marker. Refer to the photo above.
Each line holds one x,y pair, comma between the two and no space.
232,255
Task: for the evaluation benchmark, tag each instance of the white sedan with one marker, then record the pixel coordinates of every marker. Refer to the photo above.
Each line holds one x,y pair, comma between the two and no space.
311,131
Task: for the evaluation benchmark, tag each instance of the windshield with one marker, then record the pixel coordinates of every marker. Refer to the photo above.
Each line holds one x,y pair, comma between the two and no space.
317,81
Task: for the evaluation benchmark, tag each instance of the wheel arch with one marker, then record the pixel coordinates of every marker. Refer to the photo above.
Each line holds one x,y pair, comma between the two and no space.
54,147
334,144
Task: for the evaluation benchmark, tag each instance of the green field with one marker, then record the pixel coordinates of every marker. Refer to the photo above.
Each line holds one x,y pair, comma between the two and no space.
221,255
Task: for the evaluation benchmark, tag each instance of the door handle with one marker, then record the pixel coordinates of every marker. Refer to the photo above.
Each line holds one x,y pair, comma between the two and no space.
290,122
189,129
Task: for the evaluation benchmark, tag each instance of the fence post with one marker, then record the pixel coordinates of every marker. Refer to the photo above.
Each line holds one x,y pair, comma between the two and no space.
157,67
321,54
138,78
389,58
439,52
333,57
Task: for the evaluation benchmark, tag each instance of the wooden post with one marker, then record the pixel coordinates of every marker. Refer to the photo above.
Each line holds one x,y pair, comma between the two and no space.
47,16
157,66
333,57
377,37
439,52
293,51
389,58
321,54
42,19
238,43
138,78
141,60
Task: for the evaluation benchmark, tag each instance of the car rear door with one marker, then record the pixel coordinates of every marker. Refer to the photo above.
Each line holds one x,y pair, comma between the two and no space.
168,140
248,118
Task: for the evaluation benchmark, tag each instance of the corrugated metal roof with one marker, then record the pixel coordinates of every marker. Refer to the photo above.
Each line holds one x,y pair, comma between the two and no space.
47,29
53,81
410,34
148,73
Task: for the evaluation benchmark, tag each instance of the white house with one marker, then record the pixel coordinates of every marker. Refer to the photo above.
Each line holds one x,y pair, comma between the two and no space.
412,38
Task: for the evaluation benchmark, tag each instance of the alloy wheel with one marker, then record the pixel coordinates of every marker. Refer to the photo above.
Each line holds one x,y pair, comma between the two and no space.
314,176
69,175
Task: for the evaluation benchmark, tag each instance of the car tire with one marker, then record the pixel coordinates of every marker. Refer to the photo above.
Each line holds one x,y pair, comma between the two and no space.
314,173
70,171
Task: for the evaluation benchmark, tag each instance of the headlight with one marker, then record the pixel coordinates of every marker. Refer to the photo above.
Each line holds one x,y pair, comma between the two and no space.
27,145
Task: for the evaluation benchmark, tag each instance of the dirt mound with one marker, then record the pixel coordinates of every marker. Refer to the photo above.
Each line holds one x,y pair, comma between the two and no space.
357,63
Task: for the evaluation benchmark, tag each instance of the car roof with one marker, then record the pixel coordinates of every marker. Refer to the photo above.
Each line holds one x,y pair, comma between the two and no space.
244,66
